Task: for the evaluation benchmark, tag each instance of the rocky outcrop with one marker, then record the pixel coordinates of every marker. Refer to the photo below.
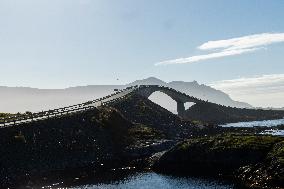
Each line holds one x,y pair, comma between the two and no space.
89,139
208,112
140,110
128,133
267,174
255,161
95,140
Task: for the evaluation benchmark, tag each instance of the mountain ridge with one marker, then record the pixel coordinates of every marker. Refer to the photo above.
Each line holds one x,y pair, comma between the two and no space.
21,99
195,89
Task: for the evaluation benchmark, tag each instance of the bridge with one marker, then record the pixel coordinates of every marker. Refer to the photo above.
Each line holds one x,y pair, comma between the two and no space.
143,90
179,97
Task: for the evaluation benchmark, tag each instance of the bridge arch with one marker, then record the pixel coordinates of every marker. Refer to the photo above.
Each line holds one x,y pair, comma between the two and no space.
188,105
143,90
164,101
177,96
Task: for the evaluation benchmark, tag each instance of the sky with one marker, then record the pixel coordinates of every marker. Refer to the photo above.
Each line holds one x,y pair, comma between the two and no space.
234,46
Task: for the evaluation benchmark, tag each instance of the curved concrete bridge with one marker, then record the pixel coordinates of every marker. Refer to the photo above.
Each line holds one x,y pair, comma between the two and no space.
179,97
143,90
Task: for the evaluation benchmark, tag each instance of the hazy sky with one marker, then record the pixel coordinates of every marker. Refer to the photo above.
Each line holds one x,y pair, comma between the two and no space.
61,43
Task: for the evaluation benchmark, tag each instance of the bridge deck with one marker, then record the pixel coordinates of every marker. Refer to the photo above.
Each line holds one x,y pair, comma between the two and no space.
26,118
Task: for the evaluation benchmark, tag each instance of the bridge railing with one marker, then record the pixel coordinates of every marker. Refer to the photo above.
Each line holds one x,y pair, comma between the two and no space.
39,116
29,117
170,89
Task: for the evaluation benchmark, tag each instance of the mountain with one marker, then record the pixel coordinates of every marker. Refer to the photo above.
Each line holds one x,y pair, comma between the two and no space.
21,99
201,91
205,92
148,81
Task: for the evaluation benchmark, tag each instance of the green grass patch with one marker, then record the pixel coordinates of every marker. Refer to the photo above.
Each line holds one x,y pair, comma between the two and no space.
144,132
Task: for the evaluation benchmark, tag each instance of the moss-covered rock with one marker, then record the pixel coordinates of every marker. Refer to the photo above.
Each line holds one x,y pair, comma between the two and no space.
266,174
218,114
141,110
94,139
226,155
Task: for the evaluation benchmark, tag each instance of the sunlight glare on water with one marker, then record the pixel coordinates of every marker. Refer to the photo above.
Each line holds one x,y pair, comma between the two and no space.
265,123
157,181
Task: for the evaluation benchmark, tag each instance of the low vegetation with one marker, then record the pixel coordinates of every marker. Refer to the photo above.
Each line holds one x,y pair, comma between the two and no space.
3,115
218,114
230,155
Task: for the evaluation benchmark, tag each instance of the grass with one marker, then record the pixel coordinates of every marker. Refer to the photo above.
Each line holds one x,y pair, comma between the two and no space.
278,152
144,132
3,115
231,141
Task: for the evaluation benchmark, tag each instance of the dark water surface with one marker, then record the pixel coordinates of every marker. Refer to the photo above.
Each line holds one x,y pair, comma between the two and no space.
264,123
150,180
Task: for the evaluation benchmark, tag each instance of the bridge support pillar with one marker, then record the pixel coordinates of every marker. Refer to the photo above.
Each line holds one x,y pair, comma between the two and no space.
180,108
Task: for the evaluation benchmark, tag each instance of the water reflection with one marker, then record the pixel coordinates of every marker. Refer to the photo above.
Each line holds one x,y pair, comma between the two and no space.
274,132
151,180
265,123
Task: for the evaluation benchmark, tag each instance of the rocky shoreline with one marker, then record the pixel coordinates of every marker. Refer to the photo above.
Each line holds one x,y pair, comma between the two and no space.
254,161
135,135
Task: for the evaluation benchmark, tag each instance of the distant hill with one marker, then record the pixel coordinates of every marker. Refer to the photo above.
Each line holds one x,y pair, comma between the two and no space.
21,99
201,91
148,81
216,114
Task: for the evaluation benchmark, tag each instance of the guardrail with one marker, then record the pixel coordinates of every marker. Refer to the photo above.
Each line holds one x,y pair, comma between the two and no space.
170,89
30,117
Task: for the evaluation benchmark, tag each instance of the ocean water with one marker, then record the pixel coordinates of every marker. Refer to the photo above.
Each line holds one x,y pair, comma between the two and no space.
151,180
274,132
264,123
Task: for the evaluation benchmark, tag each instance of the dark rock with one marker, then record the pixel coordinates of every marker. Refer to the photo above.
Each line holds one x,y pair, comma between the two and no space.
218,114
256,161
95,140
267,174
